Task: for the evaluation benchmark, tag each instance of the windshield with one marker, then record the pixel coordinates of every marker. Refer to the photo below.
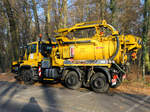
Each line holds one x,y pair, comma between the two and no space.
31,48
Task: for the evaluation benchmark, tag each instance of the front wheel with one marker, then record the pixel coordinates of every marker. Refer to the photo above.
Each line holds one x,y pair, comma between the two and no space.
99,83
72,80
27,76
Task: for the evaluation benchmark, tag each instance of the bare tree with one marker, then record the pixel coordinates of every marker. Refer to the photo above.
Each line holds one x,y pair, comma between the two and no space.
47,12
65,13
34,8
13,28
146,29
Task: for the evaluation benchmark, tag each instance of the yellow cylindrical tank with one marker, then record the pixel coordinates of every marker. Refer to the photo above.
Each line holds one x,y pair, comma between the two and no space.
92,49
104,44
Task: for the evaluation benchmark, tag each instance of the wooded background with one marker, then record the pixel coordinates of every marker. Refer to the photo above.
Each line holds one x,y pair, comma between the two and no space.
21,21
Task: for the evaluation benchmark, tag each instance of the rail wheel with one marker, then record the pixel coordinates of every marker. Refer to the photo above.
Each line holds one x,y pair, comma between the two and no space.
99,83
72,80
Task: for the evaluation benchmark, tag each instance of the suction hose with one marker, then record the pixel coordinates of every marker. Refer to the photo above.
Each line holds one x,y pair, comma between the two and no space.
114,33
118,45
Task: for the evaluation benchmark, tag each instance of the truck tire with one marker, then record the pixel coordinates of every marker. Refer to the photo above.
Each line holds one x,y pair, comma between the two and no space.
27,76
72,80
99,83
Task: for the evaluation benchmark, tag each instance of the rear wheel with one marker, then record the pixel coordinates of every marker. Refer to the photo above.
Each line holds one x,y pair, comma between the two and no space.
27,76
72,80
99,83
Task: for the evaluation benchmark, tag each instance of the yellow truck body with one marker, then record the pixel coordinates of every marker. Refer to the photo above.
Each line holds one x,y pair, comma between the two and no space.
92,54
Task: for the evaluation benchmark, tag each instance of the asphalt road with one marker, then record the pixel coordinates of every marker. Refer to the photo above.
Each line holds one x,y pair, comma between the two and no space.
22,98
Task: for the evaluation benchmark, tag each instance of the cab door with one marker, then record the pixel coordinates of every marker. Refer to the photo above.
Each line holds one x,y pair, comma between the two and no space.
33,55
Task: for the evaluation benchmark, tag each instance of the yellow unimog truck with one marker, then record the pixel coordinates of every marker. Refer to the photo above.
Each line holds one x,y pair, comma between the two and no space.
36,55
92,54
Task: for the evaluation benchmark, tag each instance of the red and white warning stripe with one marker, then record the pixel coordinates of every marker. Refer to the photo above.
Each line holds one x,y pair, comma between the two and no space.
40,74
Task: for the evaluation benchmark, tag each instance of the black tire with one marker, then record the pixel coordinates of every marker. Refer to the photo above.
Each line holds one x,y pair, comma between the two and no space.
72,80
99,83
27,76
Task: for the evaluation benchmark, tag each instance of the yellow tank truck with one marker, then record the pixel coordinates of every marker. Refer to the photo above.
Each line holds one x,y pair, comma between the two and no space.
93,54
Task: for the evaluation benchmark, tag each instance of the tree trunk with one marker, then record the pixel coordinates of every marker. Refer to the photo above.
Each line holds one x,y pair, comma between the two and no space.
146,28
26,24
47,12
13,28
65,13
36,17
102,9
113,10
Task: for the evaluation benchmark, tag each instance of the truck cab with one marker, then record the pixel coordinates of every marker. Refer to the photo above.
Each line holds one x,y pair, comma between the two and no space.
34,54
